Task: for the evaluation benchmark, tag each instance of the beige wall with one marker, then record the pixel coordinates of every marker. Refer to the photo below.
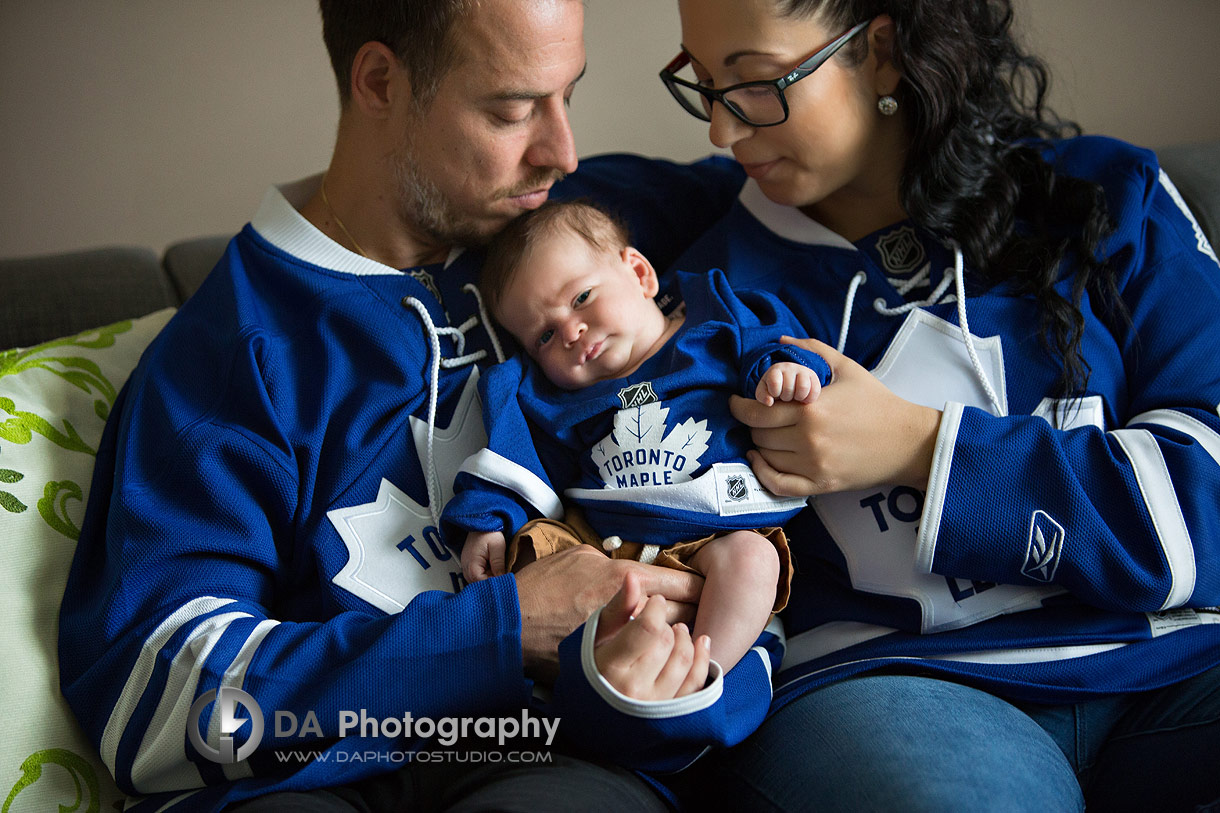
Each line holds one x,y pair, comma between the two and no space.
146,121
1143,71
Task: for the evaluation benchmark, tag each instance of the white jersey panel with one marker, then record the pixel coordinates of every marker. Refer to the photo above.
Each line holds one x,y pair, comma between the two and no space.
877,529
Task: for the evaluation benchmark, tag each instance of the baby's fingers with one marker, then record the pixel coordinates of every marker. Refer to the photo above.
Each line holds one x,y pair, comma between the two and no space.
770,386
806,388
761,393
696,677
476,570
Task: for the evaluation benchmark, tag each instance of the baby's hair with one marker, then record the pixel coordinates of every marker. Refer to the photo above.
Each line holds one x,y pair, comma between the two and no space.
510,249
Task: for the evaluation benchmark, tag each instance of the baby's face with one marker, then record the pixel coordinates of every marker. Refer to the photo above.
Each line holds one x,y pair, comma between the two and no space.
583,315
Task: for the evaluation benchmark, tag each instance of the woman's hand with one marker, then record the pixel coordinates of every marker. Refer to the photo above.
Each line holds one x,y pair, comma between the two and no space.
855,435
642,655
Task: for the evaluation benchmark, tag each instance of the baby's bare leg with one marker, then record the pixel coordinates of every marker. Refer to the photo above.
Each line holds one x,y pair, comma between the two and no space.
741,571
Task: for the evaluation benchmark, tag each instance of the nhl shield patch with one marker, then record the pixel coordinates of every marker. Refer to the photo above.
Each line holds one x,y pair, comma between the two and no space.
1044,548
900,251
736,488
425,279
637,395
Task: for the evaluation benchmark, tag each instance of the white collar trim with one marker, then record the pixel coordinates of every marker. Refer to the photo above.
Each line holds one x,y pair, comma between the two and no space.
788,221
281,224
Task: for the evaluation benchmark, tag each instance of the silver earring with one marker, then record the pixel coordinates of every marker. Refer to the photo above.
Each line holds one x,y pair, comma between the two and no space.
888,105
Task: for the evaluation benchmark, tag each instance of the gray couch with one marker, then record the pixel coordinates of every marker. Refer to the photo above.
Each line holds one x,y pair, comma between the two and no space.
61,294
109,284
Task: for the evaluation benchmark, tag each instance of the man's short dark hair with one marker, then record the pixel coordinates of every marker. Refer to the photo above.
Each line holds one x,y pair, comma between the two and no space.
510,248
421,33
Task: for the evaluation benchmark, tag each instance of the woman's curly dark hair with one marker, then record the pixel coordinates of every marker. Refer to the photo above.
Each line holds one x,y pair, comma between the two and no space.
974,103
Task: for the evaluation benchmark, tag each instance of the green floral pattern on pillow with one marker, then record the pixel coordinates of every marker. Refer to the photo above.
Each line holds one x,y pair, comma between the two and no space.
88,794
7,501
21,426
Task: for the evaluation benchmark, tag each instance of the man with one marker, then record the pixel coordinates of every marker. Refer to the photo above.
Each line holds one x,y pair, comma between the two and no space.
261,601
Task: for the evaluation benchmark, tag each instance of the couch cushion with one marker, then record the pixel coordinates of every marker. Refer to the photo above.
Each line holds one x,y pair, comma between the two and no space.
54,399
188,261
62,294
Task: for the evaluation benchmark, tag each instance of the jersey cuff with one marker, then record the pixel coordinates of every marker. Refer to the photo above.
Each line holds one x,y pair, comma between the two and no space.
938,486
645,709
495,468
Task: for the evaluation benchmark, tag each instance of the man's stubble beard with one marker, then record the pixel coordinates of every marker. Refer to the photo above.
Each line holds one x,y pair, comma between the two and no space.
423,207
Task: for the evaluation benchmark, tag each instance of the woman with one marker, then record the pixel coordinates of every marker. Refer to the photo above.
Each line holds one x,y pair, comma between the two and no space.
1006,581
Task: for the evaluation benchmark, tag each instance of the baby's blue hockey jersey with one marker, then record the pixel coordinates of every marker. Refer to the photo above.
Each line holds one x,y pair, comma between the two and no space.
655,457
1062,550
262,528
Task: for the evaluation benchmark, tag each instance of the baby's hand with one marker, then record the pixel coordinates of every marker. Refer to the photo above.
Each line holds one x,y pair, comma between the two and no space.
788,381
483,555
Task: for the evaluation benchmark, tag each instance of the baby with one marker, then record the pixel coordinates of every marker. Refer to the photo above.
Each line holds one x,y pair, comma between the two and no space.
629,408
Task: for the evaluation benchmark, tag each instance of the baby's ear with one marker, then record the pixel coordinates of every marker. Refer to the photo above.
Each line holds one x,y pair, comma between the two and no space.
643,270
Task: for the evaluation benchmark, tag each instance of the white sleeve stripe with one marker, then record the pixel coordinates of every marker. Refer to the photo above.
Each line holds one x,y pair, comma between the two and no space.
235,676
938,487
159,765
1202,434
1200,237
167,806
495,468
141,672
1156,487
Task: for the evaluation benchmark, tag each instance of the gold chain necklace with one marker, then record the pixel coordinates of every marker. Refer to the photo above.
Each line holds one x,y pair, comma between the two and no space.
339,222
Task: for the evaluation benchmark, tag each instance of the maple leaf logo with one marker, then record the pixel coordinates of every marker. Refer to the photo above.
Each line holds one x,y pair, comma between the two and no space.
394,549
638,450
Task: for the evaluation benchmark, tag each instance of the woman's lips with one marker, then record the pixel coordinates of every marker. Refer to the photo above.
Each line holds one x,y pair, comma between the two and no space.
760,169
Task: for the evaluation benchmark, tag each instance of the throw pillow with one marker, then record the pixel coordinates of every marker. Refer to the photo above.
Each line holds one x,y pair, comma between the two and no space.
54,400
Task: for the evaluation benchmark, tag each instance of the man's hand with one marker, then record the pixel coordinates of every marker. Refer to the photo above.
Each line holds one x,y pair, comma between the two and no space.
787,381
483,555
641,654
558,593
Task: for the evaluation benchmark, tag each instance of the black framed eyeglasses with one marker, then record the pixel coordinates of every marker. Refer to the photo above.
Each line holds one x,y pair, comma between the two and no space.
758,104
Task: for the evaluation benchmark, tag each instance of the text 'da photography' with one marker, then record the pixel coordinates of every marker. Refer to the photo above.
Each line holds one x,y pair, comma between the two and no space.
227,726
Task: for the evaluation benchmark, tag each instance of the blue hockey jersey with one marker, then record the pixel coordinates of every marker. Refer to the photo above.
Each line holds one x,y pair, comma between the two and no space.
655,457
1062,549
261,532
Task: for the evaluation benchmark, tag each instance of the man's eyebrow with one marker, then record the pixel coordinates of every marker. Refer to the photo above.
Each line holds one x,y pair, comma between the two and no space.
533,95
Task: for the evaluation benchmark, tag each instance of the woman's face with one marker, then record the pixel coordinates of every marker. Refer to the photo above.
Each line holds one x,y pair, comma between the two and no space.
835,151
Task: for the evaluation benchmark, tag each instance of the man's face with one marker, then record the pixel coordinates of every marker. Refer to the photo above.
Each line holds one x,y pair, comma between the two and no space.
496,136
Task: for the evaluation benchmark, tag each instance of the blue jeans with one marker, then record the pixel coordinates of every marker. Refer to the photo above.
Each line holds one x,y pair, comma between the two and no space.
904,743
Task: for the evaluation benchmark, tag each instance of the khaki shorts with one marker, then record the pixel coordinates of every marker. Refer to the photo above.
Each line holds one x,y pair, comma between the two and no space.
543,537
